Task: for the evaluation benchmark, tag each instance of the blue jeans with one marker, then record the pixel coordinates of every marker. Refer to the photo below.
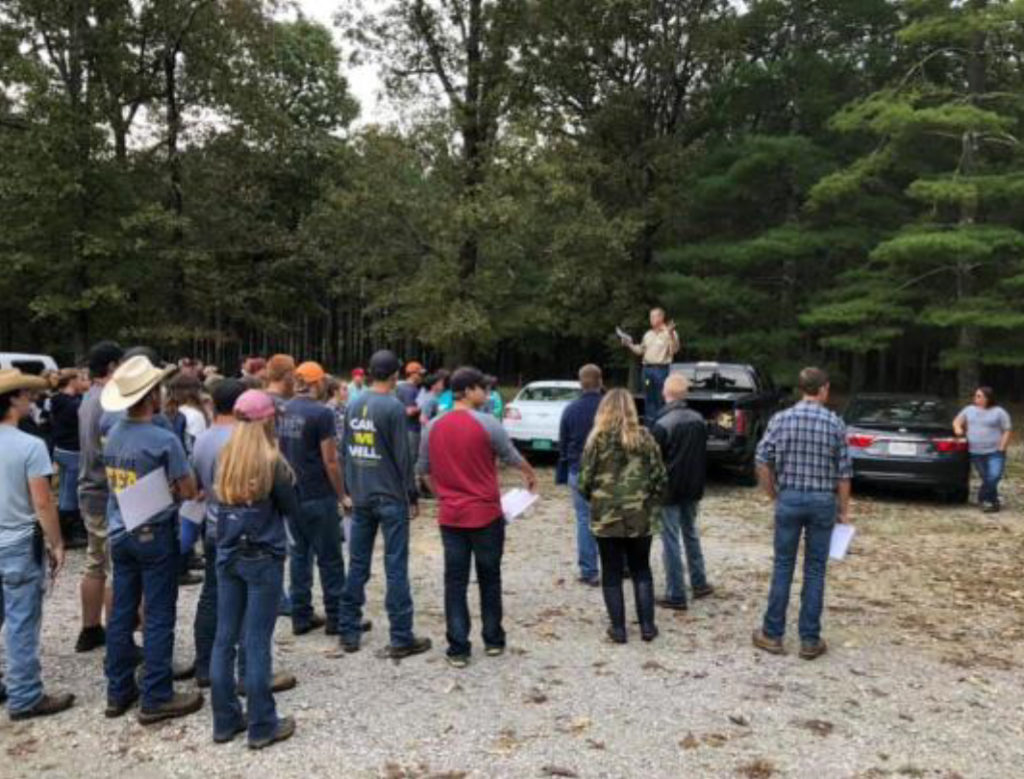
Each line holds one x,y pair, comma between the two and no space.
681,519
248,588
316,531
654,382
67,500
393,520
21,611
586,545
814,515
990,468
204,629
145,566
487,545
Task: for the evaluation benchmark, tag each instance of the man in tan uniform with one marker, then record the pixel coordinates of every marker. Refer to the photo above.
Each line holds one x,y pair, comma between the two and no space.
657,348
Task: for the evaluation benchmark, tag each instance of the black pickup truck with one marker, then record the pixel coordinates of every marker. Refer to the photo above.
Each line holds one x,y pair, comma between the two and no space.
737,401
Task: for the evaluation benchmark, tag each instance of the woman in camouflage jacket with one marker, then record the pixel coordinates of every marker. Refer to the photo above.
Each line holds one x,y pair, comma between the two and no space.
623,478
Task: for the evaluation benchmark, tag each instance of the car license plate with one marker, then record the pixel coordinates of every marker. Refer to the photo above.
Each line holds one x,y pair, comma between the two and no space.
902,449
542,444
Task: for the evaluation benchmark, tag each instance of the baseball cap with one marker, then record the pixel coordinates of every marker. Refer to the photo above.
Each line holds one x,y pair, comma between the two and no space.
464,378
279,366
384,365
310,372
254,406
414,367
101,355
358,372
226,393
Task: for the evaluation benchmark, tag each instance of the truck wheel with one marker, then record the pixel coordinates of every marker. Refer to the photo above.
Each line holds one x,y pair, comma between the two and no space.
748,473
960,495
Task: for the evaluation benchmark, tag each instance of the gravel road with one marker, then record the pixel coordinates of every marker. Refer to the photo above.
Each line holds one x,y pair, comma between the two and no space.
924,677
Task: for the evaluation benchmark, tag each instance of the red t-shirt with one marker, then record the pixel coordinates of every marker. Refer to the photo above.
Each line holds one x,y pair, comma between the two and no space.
461,450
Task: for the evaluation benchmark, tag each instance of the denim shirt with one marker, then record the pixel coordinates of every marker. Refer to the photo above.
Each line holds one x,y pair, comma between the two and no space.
258,526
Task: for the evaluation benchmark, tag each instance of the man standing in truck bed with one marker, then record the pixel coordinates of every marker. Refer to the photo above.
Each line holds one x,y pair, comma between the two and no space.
657,348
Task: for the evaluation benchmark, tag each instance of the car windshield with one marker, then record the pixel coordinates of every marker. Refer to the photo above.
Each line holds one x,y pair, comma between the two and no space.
718,378
898,411
549,393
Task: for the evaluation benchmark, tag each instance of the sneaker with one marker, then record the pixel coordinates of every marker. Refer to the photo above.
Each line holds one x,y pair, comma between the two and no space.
703,592
228,737
91,638
332,629
417,647
189,579
47,705
494,651
674,605
457,661
285,730
315,623
813,650
181,704
990,508
768,644
115,709
282,682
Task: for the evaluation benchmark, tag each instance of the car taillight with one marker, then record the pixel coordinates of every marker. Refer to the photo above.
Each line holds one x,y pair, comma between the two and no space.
741,422
860,441
949,445
513,413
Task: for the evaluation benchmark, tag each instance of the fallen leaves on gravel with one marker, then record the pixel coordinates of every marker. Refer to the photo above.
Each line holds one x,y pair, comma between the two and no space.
554,770
759,769
818,727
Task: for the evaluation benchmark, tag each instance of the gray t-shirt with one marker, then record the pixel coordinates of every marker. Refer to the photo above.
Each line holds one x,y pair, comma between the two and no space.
207,449
92,474
985,428
378,462
22,457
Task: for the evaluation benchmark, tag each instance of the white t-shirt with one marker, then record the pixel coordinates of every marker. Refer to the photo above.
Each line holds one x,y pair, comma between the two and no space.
195,424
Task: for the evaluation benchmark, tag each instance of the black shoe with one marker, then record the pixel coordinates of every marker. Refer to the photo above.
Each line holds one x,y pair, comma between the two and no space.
315,623
189,578
115,709
91,638
591,581
703,592
202,682
3,695
47,705
227,738
616,605
75,540
349,647
285,730
332,628
182,671
643,592
197,563
181,704
417,647
674,605
990,508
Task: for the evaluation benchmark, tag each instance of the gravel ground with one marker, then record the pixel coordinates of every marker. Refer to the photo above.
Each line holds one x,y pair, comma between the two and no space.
924,677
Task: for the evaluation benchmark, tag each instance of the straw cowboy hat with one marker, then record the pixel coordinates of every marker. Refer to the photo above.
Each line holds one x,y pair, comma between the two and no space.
131,382
13,380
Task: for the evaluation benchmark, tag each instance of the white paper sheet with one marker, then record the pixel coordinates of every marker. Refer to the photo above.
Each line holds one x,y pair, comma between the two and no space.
515,502
145,499
842,535
193,511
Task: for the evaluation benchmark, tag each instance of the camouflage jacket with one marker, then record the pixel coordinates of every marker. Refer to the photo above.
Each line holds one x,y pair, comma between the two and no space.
624,489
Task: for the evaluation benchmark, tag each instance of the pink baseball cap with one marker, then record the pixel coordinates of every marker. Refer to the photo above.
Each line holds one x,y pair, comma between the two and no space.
254,406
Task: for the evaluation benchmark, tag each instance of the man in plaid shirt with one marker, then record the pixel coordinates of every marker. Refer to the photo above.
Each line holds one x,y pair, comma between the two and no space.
803,465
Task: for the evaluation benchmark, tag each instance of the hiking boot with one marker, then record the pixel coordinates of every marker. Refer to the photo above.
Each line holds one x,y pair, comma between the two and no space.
673,605
643,593
768,644
417,647
91,638
47,705
189,578
181,704
227,738
282,682
285,730
615,603
115,709
332,629
315,623
703,592
494,651
457,661
811,651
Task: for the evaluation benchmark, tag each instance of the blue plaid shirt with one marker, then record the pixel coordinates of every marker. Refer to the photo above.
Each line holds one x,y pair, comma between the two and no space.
806,446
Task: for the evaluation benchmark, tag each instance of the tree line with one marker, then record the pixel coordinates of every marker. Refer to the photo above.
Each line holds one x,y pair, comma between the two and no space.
838,181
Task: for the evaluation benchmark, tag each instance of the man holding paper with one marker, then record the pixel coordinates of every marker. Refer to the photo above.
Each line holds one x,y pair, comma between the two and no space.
804,465
147,471
457,457
659,346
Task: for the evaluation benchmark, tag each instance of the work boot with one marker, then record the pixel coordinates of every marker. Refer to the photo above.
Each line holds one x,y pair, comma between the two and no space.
315,623
285,730
417,647
616,605
181,704
643,592
282,681
47,705
91,638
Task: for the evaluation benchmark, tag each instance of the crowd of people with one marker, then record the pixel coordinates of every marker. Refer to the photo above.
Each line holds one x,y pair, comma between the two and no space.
240,477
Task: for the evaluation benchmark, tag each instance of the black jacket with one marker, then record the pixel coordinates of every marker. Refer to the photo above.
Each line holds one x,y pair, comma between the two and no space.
682,435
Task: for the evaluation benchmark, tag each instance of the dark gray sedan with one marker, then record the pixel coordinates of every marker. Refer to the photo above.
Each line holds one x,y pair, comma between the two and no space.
907,440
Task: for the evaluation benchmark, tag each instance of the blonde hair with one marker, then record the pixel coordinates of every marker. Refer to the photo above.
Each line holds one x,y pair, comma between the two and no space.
617,416
245,467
